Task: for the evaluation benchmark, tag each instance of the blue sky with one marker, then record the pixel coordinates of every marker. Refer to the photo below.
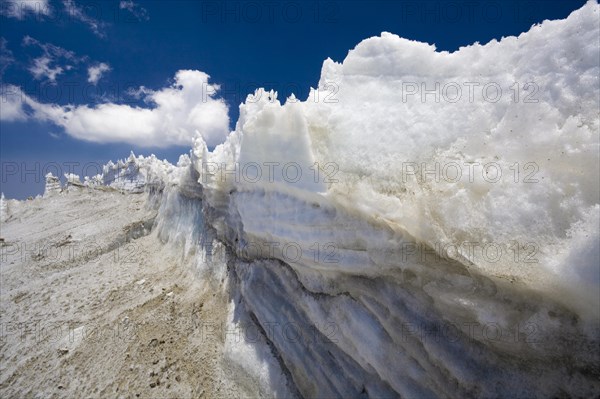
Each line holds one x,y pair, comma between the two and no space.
71,53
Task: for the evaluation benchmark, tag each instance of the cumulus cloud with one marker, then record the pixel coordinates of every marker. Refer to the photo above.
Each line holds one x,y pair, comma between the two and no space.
176,114
78,13
18,9
138,11
95,72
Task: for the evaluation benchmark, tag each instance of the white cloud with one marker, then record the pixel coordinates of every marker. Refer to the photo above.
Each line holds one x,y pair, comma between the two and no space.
46,66
179,111
18,9
41,68
49,49
95,72
138,11
77,12
12,102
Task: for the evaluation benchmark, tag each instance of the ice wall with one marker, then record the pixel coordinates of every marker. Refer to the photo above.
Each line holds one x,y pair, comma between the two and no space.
407,154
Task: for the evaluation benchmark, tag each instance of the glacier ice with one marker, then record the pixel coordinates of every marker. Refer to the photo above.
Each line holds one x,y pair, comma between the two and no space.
390,303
